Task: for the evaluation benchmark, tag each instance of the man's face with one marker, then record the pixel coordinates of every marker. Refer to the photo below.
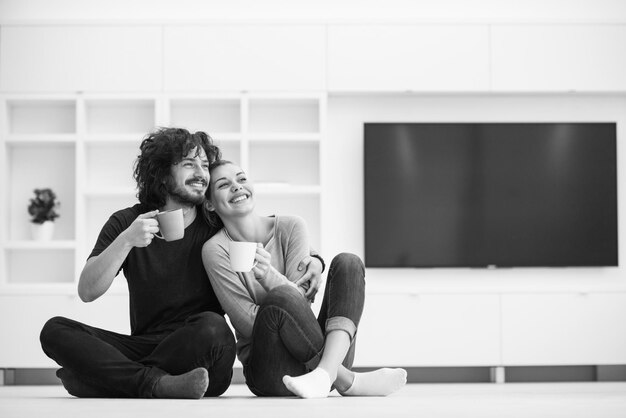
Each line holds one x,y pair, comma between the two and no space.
189,179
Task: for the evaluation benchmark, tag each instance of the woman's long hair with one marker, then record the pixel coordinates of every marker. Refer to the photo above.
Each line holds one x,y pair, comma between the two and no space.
212,218
159,151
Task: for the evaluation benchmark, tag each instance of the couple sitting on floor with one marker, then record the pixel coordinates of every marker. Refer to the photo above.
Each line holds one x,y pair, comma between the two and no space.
180,344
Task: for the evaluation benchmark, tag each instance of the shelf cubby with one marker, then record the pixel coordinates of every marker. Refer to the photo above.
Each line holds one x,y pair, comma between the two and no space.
231,149
280,115
212,116
98,209
299,162
110,166
41,166
41,117
119,117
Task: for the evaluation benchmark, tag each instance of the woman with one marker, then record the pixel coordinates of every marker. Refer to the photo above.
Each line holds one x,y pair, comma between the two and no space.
278,336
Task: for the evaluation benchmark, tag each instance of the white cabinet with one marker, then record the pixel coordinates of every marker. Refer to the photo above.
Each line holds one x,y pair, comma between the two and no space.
492,329
552,58
225,57
563,329
429,330
408,58
80,58
244,57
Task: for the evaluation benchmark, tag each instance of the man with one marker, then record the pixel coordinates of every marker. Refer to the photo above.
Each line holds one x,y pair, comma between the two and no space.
180,344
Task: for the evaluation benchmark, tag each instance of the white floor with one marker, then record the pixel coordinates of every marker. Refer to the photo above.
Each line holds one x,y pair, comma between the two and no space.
511,400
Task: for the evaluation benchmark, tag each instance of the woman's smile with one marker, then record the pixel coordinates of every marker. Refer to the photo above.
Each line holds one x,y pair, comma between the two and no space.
239,198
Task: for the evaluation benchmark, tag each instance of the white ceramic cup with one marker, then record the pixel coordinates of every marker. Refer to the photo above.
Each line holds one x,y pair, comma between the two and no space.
171,225
242,255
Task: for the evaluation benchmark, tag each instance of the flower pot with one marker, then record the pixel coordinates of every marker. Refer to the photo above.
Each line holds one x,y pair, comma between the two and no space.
42,232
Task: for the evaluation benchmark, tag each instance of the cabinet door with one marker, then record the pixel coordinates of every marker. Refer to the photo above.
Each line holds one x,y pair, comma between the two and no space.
405,57
558,58
429,330
80,58
564,329
23,316
244,57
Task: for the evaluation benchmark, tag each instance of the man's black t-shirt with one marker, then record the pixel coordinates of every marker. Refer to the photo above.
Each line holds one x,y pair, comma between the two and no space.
167,281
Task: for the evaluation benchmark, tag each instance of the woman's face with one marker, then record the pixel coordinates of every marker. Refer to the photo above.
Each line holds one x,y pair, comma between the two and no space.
231,192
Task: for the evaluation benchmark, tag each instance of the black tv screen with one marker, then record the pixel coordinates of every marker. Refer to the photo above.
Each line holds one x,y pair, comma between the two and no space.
490,194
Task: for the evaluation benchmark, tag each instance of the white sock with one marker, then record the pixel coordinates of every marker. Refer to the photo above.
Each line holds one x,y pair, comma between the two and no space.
315,384
381,382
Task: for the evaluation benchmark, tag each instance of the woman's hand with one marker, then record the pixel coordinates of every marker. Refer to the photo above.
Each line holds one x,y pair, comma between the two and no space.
312,278
262,261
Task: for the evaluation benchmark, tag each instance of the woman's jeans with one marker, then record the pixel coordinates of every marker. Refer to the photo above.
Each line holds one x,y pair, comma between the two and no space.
104,364
287,339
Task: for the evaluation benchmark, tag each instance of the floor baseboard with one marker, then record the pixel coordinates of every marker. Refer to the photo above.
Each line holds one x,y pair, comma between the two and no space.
605,373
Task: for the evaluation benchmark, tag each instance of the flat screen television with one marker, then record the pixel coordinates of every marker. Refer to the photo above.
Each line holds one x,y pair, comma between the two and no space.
490,194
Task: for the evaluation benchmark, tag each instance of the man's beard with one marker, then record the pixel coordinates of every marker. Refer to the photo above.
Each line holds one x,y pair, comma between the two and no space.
183,196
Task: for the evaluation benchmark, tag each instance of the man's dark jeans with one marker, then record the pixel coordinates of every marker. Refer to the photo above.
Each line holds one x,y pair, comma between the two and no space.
101,363
287,339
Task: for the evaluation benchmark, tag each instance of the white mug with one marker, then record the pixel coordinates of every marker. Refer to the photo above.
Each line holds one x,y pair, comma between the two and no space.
242,255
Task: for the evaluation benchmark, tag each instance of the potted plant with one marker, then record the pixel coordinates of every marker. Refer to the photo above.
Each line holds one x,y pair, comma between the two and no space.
43,209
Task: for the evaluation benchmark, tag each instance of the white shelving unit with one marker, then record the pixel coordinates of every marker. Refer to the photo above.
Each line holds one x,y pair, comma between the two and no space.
37,155
84,147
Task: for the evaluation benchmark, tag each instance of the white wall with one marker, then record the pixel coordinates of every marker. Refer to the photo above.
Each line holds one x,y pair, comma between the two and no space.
326,10
342,155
